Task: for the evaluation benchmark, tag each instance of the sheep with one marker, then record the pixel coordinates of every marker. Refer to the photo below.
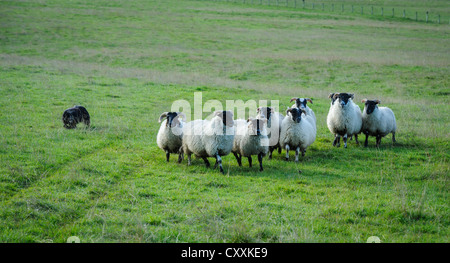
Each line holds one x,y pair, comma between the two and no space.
274,120
72,116
301,104
170,133
377,121
296,132
209,138
344,118
250,139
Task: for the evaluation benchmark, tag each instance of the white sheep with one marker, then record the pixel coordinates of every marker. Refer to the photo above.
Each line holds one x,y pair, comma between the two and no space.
296,132
170,133
377,121
344,118
209,138
250,139
274,120
301,104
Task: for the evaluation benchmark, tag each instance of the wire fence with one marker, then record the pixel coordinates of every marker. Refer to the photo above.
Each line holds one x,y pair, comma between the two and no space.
381,12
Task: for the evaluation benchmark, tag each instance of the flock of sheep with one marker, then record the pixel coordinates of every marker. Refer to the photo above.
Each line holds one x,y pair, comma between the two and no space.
296,130
222,135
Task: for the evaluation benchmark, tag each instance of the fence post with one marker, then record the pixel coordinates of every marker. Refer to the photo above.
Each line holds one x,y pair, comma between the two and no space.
439,19
416,15
313,6
381,11
404,13
332,7
323,6
392,12
342,8
371,12
362,11
352,8
426,19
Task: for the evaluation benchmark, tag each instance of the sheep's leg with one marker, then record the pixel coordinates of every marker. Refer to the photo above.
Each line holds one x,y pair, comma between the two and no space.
279,150
303,152
356,139
206,162
287,152
238,159
189,158
270,153
219,161
260,157
180,157
297,151
393,138
366,142
344,138
378,140
249,161
337,140
167,155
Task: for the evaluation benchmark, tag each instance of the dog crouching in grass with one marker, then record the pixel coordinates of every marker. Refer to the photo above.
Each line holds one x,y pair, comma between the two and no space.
72,116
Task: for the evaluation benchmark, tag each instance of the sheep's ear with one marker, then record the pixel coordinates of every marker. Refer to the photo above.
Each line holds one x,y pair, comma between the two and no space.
258,110
288,111
331,95
364,100
293,99
249,119
335,95
218,113
162,116
303,111
182,115
309,100
377,101
352,96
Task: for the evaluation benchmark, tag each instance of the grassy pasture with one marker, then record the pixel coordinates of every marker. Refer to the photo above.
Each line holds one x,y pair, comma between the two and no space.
127,61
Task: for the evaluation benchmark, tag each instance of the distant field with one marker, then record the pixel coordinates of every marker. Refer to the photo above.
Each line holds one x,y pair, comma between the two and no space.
127,61
433,7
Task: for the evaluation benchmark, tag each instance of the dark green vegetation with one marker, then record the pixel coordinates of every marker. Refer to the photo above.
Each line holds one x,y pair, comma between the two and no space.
126,61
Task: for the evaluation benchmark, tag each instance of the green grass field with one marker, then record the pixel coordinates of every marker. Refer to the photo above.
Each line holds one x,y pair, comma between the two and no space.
127,61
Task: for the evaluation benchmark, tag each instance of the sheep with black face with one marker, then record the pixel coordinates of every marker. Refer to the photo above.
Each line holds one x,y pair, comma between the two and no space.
274,120
297,132
209,138
250,139
301,103
170,134
377,121
72,116
344,118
